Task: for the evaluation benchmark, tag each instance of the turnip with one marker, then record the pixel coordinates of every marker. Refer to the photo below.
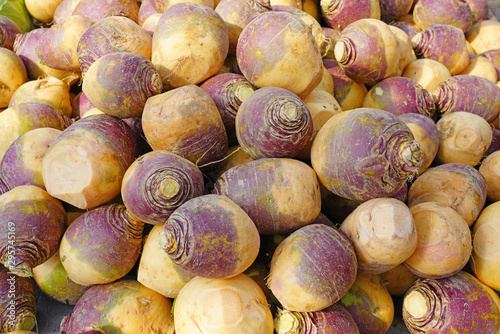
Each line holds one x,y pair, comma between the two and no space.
484,36
464,138
383,233
444,43
146,9
185,121
407,55
370,304
326,83
494,57
22,161
235,156
348,93
25,47
456,304
333,35
157,271
272,58
237,14
456,13
426,134
12,77
96,10
8,31
444,241
273,122
43,11
64,10
17,12
18,302
429,73
398,279
469,93
338,14
57,46
185,51
479,9
125,306
279,194
32,223
48,90
210,236
151,23
228,90
400,95
109,35
85,165
157,183
312,268
459,186
162,5
101,246
332,320
368,51
19,119
490,170
119,83
394,10
410,29
222,306
380,155
495,142
52,279
482,67
81,104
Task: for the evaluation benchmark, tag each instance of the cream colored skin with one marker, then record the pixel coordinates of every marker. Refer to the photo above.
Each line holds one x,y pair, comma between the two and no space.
490,170
383,232
482,67
12,77
222,306
429,147
42,10
464,137
427,72
482,36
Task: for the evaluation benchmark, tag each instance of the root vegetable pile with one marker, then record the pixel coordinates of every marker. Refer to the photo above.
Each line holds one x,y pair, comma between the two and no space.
250,166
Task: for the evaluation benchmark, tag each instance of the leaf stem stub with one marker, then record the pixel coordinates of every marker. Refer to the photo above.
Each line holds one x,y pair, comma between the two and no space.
169,187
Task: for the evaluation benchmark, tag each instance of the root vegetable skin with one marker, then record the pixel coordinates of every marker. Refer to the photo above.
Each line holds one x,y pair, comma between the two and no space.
482,36
394,10
12,78
314,253
292,197
398,279
8,31
338,14
96,10
482,67
456,13
43,11
429,73
348,93
490,170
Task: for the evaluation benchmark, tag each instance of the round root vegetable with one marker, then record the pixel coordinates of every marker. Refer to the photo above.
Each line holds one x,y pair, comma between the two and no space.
394,10
482,67
490,170
18,302
237,14
443,43
464,138
348,93
151,23
185,51
13,75
400,95
101,246
222,306
96,10
370,304
25,47
494,57
398,279
85,165
426,134
110,35
456,304
8,31
383,233
48,90
483,36
81,105
368,51
273,46
273,122
185,121
52,279
456,13
228,90
157,271
333,35
120,83
468,93
459,186
64,10
157,183
444,241
338,14
146,9
407,55
57,46
279,194
22,162
3,185
365,153
312,268
409,28
479,9
495,142
326,83
235,156
332,320
32,224
429,73
210,236
17,12
43,11
162,5
125,306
